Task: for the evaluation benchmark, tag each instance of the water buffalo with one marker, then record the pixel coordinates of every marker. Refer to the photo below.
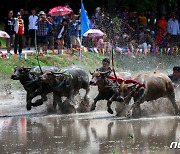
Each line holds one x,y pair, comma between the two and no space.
107,86
67,83
28,77
147,88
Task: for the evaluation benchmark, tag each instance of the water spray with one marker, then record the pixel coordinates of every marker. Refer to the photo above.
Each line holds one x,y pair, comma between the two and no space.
157,67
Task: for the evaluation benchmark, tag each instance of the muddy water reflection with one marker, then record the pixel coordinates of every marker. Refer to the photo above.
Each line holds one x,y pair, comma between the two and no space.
82,134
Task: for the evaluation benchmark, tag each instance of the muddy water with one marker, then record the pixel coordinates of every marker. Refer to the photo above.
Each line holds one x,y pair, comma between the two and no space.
94,133
40,132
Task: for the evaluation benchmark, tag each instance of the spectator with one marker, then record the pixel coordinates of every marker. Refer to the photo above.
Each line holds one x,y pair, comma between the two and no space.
73,32
100,44
57,22
25,17
147,40
161,29
42,24
92,22
107,24
50,32
98,17
19,31
88,42
9,28
32,27
63,37
173,29
142,20
125,14
133,24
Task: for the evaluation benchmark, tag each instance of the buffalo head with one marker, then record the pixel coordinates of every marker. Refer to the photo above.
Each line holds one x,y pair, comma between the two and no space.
98,77
49,76
20,73
126,91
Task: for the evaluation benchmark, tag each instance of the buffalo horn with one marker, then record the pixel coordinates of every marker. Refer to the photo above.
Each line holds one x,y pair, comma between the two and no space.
91,72
58,73
131,85
28,68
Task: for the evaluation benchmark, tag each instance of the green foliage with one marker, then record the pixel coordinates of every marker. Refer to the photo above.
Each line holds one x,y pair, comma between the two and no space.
116,151
2,40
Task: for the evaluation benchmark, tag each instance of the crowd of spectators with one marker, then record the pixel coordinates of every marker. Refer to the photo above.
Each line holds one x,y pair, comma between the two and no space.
127,29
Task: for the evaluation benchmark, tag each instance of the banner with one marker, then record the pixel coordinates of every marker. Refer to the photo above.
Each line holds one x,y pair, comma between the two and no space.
84,20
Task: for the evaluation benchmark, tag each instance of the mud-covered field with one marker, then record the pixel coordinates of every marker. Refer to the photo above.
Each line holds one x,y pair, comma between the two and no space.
42,130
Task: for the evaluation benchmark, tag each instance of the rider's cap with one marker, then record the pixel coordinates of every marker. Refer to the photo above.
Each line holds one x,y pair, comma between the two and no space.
176,68
106,60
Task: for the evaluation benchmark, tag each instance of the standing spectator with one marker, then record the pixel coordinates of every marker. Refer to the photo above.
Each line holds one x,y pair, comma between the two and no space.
92,22
161,29
173,29
9,28
32,26
142,20
73,32
25,17
57,22
125,14
133,24
42,24
19,31
98,16
63,37
50,32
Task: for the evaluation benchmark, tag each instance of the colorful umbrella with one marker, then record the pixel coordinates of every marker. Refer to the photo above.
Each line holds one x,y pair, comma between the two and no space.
4,34
94,32
60,11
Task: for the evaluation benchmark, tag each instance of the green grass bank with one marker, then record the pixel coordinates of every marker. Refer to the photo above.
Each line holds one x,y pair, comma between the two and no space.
91,61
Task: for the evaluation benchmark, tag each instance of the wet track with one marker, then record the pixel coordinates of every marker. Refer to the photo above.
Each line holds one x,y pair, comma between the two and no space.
38,131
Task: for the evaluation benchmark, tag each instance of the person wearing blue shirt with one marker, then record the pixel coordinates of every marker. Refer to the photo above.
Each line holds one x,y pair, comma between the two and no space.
173,29
74,32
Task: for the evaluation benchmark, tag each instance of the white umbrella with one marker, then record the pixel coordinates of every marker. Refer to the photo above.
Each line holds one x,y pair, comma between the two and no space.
94,32
4,34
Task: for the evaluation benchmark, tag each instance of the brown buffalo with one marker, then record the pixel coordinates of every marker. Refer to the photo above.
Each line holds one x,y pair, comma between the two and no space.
147,88
107,86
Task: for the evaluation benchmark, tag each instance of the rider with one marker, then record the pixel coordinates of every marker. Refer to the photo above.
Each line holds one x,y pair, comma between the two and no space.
175,77
105,65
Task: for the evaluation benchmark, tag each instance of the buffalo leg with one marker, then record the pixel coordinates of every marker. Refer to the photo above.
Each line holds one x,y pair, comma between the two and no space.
57,101
135,108
40,101
28,101
84,105
109,104
29,98
126,102
138,100
87,91
171,96
173,101
67,107
93,106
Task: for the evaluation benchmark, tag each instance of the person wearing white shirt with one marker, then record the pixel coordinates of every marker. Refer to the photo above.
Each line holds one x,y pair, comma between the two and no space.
32,26
173,29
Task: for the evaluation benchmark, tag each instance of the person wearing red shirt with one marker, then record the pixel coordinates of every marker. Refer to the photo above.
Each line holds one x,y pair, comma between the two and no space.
161,29
19,31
